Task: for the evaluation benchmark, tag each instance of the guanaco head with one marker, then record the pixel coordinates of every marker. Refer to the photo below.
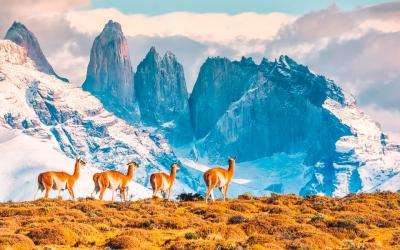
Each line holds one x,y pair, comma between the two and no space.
175,165
80,162
231,160
133,164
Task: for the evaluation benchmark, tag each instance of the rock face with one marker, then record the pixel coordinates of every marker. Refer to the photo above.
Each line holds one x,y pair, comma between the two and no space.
281,113
264,109
109,74
162,96
220,83
20,35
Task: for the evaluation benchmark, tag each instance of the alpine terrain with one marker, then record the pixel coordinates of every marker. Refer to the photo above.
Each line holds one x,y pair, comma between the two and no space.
45,123
291,130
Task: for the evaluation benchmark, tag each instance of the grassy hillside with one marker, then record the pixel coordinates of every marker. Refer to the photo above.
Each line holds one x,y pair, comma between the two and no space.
365,221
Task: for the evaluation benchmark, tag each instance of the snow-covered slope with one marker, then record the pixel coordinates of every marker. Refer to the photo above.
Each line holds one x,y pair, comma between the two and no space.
43,107
23,157
365,159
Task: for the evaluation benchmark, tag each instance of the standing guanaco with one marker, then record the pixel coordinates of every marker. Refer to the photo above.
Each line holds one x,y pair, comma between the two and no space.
59,181
219,177
113,180
163,182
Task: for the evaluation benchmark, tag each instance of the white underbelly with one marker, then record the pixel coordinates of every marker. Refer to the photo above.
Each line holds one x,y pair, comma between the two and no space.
221,180
114,184
59,184
165,184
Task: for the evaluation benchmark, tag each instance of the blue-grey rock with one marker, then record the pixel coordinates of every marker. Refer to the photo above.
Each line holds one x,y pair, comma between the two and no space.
109,73
162,96
220,83
280,110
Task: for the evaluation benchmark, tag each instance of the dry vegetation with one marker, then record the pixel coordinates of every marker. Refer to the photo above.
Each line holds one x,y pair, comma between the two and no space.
365,221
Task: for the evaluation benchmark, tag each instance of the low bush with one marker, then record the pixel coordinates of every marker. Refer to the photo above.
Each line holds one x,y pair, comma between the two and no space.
190,197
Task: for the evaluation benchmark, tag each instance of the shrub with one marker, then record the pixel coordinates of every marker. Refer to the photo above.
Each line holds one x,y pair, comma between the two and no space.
395,239
342,224
318,217
246,196
55,234
190,244
236,219
259,239
241,207
124,242
190,197
190,235
15,241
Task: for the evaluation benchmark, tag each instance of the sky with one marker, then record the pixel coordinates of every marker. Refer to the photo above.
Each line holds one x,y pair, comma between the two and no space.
355,43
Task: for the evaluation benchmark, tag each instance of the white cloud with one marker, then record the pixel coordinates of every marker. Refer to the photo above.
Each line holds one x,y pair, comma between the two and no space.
68,64
210,27
381,25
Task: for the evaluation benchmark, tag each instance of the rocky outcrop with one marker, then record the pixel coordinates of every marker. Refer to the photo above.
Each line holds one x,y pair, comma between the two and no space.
20,35
276,107
220,83
109,73
162,96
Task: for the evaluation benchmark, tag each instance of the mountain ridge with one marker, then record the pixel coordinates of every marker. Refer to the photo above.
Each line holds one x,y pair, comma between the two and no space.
276,116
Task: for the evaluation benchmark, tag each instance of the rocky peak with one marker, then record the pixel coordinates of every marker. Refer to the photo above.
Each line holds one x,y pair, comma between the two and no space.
109,74
113,25
162,95
20,35
247,61
220,82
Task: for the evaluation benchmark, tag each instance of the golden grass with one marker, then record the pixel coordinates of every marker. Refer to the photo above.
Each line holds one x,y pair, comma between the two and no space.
363,221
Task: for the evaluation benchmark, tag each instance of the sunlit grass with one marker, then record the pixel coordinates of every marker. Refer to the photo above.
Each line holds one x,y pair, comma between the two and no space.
363,221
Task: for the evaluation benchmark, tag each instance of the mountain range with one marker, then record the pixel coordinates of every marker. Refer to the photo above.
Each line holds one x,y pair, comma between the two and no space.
292,131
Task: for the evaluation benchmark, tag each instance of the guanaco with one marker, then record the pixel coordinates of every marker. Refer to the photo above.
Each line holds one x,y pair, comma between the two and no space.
219,177
113,180
163,182
59,181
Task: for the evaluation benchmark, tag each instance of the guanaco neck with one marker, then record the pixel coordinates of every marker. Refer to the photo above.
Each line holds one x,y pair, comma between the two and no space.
129,175
173,174
231,168
77,170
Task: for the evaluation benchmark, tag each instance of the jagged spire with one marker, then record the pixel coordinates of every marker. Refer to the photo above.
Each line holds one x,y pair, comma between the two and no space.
20,35
162,96
109,74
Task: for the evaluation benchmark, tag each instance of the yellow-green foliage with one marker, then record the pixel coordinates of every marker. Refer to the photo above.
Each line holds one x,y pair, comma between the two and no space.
362,221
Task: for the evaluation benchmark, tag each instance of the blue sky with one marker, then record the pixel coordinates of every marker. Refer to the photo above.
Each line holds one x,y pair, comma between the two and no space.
296,7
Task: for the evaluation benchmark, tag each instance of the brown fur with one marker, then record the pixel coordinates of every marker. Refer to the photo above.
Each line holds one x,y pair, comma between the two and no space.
46,180
211,178
163,182
102,181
